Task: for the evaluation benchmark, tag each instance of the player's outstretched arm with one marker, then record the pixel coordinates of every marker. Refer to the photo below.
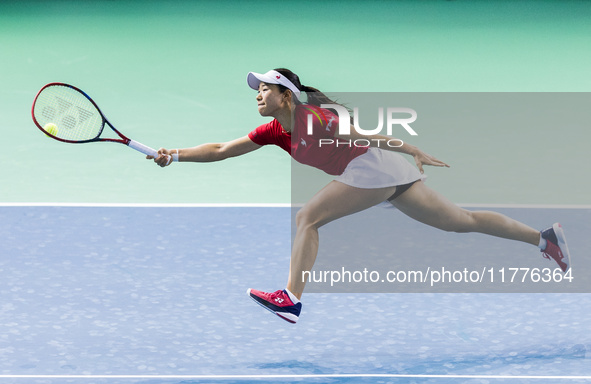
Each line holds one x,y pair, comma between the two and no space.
206,153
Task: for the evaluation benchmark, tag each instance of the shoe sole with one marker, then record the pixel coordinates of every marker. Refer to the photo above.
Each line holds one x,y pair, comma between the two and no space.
254,298
562,243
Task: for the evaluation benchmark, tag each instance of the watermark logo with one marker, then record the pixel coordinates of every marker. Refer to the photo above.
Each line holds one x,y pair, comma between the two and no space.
362,143
392,118
345,127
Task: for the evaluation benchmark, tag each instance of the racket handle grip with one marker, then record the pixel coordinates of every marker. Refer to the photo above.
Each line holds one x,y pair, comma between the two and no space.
148,150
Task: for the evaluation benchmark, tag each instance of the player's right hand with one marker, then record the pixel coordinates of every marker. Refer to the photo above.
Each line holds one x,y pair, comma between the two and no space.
164,158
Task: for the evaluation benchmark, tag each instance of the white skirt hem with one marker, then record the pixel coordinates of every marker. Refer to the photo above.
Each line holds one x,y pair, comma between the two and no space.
379,168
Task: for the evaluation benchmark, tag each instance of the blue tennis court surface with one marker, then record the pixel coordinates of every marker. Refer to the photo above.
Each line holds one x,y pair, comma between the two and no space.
158,295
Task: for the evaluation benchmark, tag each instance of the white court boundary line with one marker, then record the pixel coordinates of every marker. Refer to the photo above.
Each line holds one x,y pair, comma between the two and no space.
311,376
149,205
264,205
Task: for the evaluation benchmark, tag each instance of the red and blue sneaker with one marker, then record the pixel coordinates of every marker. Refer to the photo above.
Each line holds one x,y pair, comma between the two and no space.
278,302
556,247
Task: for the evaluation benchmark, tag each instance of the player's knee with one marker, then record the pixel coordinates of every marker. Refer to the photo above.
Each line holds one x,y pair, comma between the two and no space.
305,217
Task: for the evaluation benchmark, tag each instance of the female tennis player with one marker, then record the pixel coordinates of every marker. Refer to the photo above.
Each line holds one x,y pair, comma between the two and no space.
364,177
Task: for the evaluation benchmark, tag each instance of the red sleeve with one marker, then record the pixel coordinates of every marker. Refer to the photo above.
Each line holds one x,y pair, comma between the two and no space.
265,134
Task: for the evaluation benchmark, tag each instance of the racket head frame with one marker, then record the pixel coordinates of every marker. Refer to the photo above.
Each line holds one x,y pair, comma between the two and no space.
123,140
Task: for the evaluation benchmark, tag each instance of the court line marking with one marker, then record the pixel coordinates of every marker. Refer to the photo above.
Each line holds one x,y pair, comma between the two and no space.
149,205
264,205
310,376
531,206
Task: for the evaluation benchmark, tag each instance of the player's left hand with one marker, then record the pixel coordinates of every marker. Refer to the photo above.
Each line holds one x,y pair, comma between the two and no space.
422,158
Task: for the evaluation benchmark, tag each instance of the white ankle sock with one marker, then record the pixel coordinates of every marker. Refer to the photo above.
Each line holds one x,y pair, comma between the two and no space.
543,243
292,297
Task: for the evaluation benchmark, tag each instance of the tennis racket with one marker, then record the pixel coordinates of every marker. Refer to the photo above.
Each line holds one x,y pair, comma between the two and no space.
66,113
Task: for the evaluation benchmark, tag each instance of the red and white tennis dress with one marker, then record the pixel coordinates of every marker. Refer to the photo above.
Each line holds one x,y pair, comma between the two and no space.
361,167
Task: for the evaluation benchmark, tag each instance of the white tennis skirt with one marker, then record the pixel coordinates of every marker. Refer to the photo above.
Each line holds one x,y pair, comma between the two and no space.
378,168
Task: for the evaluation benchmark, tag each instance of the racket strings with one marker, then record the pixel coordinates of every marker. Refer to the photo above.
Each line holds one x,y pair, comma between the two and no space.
75,117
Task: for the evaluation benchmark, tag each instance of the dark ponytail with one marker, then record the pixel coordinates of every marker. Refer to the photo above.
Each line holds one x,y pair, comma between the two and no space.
315,97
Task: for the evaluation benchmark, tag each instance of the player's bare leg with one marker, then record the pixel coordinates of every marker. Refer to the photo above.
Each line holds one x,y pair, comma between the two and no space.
334,201
427,206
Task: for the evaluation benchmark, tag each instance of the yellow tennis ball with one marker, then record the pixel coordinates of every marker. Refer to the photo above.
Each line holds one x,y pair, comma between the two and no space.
51,129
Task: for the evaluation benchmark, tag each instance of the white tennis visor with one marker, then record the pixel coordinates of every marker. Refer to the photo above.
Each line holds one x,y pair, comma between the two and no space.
271,77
